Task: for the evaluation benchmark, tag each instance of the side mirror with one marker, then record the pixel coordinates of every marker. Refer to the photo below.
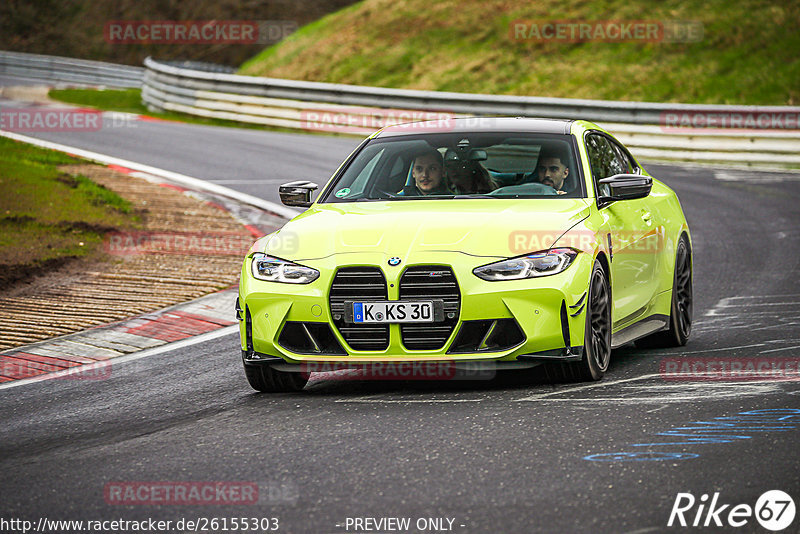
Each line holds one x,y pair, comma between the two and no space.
297,193
626,187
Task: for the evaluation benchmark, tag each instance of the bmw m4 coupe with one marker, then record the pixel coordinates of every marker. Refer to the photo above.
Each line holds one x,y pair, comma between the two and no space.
510,242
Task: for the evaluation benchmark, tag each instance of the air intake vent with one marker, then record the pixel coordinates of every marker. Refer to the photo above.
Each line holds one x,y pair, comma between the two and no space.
430,282
309,338
491,335
359,284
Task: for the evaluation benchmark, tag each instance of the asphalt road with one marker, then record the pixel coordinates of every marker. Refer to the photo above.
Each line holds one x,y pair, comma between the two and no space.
504,455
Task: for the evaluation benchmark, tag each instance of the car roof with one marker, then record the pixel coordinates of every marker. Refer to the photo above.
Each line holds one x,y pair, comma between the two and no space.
479,124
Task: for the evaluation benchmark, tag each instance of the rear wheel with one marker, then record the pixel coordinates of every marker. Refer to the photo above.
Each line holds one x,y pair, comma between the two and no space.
680,316
597,339
265,379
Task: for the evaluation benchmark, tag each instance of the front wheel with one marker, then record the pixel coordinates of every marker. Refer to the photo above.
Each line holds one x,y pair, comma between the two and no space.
265,379
597,337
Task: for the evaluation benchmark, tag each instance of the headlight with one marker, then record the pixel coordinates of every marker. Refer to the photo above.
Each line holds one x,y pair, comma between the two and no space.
543,263
277,270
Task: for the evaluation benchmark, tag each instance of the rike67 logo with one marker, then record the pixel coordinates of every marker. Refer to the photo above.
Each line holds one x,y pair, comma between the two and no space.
774,510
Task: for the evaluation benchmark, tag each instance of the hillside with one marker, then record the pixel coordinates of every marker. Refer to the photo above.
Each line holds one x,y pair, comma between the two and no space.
75,28
748,53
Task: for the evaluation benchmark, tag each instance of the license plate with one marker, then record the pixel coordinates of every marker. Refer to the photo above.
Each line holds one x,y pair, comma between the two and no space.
393,312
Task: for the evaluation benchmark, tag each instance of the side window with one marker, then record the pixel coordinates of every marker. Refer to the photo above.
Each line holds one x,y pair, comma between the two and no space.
357,187
603,160
393,180
624,159
398,167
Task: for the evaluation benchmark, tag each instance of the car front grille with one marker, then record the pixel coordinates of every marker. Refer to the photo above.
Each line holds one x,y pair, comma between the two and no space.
359,284
430,282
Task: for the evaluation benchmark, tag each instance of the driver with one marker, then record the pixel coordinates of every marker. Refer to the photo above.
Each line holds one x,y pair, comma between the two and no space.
427,171
552,169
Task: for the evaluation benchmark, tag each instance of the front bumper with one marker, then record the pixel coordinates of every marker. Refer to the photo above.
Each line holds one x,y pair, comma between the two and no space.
549,313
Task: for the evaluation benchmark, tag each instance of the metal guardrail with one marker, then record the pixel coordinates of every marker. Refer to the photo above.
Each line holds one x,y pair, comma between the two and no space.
347,108
213,91
69,70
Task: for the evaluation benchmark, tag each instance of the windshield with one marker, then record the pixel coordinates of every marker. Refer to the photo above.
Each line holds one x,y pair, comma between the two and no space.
460,165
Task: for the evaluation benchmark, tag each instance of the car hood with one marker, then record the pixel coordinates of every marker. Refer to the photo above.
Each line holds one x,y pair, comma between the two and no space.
479,227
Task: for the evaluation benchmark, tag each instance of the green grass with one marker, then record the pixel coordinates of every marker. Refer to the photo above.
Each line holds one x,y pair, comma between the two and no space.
748,53
127,100
48,215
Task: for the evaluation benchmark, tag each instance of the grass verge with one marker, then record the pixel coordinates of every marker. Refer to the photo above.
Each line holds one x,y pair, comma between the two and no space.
747,53
47,216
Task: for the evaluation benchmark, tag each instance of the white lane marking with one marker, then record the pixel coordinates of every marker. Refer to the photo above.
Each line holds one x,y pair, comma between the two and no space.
727,315
712,327
750,304
781,325
404,401
684,392
188,181
760,297
128,357
782,348
749,384
678,354
730,308
644,530
587,386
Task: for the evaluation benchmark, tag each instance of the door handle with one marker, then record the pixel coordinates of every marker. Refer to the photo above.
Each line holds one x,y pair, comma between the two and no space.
645,215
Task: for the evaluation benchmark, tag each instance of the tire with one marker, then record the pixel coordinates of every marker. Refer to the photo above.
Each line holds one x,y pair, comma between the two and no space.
680,315
597,337
265,379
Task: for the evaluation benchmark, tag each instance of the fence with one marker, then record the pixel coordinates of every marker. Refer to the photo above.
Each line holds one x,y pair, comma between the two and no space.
640,125
75,71
212,91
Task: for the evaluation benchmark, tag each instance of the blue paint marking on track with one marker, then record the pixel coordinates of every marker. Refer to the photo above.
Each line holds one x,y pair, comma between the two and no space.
726,429
640,456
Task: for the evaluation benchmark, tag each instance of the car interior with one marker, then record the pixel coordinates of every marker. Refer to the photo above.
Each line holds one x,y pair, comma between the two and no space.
385,170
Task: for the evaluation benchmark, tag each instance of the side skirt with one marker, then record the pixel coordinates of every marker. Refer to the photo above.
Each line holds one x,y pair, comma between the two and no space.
645,327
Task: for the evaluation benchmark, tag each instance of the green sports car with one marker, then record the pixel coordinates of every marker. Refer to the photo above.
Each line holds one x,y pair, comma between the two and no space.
503,242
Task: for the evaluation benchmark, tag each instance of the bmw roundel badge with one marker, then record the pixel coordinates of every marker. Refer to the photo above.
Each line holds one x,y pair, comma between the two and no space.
394,262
